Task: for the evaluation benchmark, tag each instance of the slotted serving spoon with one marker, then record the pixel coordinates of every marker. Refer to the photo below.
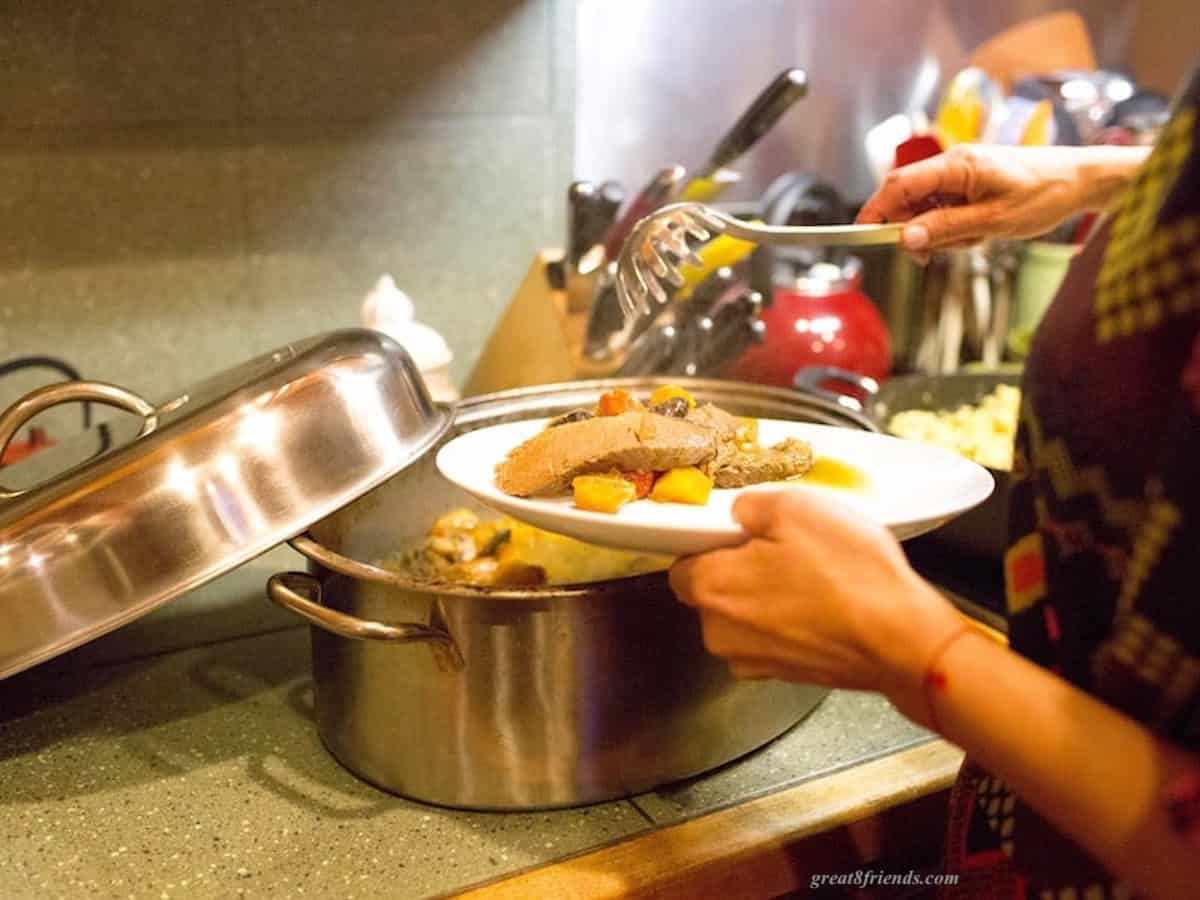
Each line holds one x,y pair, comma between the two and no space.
659,243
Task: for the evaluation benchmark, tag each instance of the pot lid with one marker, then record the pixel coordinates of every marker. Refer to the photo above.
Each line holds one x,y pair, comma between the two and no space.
201,484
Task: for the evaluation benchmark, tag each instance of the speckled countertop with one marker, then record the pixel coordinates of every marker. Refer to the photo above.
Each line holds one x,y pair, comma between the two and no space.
141,766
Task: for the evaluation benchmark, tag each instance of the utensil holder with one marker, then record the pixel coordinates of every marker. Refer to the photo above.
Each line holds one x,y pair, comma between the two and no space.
538,339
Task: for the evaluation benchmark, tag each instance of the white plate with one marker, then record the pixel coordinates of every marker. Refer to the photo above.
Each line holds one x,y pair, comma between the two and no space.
912,488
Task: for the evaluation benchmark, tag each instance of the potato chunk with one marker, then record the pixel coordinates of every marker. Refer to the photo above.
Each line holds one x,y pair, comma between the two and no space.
685,485
602,493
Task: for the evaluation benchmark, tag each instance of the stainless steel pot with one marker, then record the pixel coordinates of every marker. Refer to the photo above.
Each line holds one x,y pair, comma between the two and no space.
510,699
980,531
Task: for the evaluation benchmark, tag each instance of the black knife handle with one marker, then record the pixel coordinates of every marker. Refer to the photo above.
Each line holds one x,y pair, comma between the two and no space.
579,194
732,332
767,108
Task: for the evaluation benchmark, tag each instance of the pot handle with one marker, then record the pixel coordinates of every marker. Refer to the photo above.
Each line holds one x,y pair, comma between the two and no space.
810,379
282,589
343,565
44,398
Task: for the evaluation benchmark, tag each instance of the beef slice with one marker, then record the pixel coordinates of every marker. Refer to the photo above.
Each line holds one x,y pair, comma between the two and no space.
634,442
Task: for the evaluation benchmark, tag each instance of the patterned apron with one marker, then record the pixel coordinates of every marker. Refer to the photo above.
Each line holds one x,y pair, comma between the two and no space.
1101,574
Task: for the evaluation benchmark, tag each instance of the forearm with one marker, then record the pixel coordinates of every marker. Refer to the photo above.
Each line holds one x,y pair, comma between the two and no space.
1103,171
1099,776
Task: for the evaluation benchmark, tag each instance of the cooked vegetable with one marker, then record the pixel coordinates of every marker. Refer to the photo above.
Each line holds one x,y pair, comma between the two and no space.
642,482
746,435
491,571
489,537
481,570
669,392
514,573
984,433
676,407
602,493
453,547
615,402
686,485
419,562
454,522
568,561
526,557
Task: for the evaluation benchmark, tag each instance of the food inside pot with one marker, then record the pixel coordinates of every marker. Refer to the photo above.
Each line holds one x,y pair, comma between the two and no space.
983,432
461,548
668,448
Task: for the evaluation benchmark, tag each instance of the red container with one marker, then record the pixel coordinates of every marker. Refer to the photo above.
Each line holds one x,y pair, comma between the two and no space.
823,319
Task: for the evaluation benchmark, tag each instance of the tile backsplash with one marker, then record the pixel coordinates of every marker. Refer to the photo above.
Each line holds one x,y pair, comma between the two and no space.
187,183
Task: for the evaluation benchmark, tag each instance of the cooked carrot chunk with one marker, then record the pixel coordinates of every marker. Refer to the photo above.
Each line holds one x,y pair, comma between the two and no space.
615,402
602,493
684,485
642,482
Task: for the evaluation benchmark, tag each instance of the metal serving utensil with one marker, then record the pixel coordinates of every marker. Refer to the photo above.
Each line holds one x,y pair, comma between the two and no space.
660,242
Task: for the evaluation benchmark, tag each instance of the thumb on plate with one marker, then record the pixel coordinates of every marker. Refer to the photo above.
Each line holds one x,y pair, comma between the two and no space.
760,512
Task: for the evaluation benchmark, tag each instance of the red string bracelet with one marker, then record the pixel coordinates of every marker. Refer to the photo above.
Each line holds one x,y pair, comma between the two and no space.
935,679
1183,807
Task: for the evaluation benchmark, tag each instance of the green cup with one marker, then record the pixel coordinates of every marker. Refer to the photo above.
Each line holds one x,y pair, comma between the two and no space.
1043,267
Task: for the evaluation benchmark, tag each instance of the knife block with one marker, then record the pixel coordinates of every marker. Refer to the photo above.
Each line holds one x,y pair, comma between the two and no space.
538,339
